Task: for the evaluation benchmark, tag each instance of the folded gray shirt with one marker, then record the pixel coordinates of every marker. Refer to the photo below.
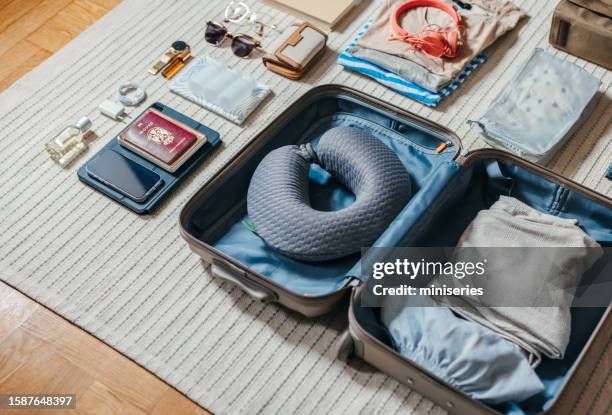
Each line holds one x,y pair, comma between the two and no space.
511,223
406,69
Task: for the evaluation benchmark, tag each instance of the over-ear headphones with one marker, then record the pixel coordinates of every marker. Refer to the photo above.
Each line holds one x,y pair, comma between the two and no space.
432,40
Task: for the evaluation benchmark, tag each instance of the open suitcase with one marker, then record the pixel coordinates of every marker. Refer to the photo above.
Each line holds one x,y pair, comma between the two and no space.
451,187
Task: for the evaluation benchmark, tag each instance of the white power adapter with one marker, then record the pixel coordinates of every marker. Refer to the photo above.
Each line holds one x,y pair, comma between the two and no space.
113,110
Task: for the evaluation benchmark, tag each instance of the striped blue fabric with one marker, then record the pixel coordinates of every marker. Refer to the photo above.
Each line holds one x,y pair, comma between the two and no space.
399,84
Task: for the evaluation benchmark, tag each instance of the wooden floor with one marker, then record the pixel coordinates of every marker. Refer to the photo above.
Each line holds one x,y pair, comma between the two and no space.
32,30
40,352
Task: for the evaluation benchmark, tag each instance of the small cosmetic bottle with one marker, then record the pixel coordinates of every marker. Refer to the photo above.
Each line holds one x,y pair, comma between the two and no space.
68,144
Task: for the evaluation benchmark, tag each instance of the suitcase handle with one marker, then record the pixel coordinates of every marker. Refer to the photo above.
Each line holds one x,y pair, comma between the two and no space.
562,31
238,277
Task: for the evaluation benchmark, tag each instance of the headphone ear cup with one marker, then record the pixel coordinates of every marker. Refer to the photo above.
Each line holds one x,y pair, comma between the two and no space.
433,43
452,37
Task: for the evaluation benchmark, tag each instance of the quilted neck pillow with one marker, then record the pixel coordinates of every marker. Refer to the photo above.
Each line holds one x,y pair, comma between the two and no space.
278,198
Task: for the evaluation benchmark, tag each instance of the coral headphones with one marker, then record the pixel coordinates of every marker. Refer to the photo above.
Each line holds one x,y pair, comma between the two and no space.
432,40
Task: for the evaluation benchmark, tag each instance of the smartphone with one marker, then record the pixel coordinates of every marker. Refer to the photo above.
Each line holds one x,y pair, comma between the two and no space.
123,175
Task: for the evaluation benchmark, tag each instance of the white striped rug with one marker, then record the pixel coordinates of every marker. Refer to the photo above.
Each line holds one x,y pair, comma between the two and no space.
131,280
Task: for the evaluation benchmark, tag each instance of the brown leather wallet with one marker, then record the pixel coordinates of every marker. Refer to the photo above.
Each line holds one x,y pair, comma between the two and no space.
296,50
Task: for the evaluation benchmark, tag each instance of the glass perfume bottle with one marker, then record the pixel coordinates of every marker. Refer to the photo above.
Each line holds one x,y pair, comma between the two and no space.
68,144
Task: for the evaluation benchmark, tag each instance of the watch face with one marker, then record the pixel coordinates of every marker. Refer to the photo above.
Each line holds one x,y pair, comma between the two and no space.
179,45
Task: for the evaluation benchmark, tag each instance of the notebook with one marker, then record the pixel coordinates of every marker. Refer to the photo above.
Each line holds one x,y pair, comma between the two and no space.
324,13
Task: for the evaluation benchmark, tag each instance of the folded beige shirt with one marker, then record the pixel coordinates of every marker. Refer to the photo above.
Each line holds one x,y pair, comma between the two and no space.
483,24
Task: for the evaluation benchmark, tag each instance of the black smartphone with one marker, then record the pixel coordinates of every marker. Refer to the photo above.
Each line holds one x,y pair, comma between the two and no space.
123,175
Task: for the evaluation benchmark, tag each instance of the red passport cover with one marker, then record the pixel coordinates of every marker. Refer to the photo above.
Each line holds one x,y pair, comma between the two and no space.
159,137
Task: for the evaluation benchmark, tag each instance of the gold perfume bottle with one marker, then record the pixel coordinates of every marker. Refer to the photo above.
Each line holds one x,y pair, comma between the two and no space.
68,144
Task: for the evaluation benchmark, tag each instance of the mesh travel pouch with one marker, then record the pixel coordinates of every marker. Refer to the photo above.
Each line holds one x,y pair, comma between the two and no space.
216,87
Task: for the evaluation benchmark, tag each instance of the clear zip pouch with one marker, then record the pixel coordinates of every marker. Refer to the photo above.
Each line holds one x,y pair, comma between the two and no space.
214,86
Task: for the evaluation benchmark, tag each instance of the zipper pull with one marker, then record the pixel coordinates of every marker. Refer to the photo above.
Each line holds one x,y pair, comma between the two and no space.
443,146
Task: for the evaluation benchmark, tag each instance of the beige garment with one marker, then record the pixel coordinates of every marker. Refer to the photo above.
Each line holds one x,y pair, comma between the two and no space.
483,24
509,223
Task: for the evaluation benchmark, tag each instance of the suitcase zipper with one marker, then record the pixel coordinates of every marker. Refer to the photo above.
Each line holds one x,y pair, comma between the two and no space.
443,146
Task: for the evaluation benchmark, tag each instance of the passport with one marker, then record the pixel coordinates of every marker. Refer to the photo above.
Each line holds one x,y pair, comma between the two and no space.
159,137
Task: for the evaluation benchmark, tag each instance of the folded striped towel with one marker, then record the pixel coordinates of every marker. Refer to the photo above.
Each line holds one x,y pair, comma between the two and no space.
397,83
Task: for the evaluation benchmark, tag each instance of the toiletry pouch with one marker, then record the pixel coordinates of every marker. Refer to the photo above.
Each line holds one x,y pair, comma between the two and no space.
543,105
449,187
212,85
296,50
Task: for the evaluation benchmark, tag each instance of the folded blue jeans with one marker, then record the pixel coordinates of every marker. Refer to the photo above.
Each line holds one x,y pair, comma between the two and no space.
465,354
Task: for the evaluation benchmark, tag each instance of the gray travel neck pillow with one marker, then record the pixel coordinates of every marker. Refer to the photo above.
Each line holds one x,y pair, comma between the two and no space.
278,202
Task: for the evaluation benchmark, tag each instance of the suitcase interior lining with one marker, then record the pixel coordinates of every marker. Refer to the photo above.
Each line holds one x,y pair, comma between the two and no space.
219,219
475,189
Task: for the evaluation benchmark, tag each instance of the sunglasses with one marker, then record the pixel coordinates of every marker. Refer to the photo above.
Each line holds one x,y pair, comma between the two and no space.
242,44
239,12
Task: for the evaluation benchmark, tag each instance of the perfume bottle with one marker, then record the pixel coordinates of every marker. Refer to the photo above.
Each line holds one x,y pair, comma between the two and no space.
68,144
